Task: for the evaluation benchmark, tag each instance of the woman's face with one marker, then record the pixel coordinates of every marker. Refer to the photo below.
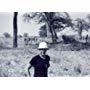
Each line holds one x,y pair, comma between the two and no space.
43,51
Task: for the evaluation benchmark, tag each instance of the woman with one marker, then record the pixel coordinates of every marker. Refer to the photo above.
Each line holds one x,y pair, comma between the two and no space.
40,62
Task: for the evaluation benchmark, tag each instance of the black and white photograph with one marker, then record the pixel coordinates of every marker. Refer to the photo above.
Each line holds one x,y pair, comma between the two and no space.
44,44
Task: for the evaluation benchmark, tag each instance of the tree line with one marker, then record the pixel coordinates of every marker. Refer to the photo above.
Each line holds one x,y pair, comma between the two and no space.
53,22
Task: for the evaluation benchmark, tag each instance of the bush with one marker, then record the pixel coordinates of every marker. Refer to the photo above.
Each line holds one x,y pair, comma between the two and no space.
20,36
6,35
43,31
68,39
25,35
2,45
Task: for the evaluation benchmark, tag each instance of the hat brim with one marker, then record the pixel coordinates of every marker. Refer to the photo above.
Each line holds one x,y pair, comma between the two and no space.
43,48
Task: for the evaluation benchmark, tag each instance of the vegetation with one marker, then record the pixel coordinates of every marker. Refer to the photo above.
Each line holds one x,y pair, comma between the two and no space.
69,57
25,35
6,35
43,32
52,20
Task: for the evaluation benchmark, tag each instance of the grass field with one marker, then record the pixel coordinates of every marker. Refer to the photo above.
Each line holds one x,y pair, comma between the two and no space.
66,59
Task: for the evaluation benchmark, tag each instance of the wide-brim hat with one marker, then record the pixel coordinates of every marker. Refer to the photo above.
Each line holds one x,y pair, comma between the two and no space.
43,45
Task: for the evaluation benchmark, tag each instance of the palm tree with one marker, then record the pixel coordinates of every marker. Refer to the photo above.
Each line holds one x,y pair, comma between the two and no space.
15,29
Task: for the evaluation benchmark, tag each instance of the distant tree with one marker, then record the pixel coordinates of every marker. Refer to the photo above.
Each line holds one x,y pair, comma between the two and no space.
26,38
43,32
6,35
20,36
50,18
25,35
15,29
81,25
88,17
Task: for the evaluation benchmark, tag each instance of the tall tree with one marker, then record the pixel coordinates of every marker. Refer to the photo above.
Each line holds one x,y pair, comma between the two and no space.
50,18
15,30
88,17
81,25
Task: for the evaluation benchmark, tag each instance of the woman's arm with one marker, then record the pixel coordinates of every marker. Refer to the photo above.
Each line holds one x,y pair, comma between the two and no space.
29,70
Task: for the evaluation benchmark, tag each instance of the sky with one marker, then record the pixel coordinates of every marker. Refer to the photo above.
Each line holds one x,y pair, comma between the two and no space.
75,15
6,23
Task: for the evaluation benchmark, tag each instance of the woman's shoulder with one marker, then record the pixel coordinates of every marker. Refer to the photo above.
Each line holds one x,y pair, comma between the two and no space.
48,57
36,56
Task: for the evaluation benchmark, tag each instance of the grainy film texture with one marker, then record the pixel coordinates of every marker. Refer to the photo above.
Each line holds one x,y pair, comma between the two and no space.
64,39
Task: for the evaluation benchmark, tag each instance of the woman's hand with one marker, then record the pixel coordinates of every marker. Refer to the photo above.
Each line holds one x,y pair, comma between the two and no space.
29,70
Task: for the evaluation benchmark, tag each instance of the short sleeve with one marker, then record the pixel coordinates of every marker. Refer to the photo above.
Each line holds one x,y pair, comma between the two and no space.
48,59
33,62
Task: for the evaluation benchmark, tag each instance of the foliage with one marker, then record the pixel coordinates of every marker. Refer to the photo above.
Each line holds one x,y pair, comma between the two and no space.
81,25
20,36
43,32
6,35
25,34
54,20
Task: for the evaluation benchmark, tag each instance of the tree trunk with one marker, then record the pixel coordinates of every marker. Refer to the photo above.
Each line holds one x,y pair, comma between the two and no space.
48,31
80,30
80,34
55,35
49,21
15,29
54,39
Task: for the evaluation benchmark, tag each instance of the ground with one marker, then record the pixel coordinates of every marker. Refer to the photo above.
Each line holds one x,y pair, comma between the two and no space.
63,62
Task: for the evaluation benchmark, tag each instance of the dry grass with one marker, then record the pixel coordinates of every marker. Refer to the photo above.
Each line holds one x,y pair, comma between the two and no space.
64,62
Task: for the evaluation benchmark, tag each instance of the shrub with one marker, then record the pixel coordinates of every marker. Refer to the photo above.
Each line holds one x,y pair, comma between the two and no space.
6,35
68,39
2,45
25,34
20,36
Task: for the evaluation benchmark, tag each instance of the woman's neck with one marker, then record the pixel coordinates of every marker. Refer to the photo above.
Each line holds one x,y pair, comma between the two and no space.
42,56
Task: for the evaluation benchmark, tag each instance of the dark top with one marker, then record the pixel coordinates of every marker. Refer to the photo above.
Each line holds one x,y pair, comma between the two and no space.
40,65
